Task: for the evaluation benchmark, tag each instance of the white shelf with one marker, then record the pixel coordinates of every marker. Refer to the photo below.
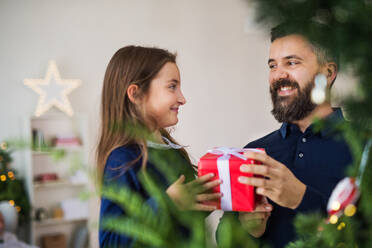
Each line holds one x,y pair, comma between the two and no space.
56,221
49,194
65,148
57,183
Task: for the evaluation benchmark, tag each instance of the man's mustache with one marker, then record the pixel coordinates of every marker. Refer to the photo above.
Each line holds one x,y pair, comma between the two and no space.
284,83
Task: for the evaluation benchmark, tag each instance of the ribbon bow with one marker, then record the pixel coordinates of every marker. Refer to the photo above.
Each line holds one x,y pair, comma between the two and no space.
226,152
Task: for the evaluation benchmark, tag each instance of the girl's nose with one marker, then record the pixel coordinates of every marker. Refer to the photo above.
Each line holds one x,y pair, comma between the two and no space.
181,99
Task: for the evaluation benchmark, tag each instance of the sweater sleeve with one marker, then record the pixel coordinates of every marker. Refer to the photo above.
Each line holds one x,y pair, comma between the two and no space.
116,173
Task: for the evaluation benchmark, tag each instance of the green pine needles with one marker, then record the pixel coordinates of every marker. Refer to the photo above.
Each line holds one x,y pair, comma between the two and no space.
347,33
12,188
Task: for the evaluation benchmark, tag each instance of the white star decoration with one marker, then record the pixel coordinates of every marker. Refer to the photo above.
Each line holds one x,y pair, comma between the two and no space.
53,90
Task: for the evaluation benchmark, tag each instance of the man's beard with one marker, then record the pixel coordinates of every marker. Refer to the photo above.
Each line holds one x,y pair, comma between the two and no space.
291,108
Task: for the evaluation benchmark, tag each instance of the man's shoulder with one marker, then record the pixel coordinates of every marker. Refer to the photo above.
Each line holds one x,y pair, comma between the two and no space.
265,140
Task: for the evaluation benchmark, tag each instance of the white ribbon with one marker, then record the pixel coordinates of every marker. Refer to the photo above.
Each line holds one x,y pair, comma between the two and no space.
227,151
224,172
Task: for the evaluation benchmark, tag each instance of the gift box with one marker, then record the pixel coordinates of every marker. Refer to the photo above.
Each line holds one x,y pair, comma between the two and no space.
225,162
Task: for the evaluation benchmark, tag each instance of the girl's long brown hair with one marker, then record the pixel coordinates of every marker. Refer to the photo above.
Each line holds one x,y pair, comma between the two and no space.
122,122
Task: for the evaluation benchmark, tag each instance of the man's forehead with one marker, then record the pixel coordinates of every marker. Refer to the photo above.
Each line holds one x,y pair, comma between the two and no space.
289,46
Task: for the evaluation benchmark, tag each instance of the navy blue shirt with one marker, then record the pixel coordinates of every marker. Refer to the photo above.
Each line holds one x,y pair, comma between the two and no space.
118,172
317,159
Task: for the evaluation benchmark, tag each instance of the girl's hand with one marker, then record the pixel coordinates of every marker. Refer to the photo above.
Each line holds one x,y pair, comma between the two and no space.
188,196
255,222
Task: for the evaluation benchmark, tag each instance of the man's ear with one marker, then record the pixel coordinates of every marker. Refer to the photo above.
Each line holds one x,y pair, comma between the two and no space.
132,93
331,73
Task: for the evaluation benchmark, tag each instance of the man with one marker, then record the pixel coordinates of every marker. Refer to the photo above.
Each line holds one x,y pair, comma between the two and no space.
2,227
301,166
9,240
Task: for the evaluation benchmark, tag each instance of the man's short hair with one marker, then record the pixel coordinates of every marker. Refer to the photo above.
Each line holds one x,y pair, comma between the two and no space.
309,30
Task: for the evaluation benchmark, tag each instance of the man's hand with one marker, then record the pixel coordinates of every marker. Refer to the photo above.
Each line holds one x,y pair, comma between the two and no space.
278,183
255,222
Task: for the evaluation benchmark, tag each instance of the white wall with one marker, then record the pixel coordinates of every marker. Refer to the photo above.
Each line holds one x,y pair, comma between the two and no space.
222,58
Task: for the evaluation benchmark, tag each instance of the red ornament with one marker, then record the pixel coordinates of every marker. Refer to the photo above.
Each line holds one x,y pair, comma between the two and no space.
345,193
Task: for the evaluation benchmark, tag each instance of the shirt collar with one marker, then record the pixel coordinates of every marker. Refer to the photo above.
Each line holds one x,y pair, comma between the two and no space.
335,117
283,129
168,144
331,120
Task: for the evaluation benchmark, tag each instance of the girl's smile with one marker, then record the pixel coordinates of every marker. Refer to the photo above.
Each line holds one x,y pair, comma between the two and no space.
175,109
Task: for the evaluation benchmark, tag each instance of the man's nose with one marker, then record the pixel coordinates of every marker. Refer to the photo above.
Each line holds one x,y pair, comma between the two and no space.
279,73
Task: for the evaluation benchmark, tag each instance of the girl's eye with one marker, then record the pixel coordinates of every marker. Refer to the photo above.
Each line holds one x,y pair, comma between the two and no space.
172,86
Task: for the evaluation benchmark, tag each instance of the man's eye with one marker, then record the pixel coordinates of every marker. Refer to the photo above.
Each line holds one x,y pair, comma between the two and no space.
293,62
272,66
172,86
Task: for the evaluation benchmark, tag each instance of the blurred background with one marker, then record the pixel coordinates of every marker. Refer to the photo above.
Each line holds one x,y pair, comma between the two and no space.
222,56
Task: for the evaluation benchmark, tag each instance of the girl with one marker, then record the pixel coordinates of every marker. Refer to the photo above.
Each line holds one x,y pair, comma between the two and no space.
141,89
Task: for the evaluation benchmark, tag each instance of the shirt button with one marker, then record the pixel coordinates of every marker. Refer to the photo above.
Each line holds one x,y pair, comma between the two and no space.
301,155
304,140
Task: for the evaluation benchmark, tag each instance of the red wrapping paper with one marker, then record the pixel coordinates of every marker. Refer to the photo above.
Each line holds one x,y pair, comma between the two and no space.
243,196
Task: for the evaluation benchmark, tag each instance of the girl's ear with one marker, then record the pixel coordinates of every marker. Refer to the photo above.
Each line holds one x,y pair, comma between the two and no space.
132,93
